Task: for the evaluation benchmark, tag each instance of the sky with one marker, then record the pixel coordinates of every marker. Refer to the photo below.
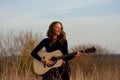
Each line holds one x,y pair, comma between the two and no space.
85,21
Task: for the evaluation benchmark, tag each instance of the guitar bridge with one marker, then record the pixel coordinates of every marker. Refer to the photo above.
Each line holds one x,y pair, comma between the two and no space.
44,63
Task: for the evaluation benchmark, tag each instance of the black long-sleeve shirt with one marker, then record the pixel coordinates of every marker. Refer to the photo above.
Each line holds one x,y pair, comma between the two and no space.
57,46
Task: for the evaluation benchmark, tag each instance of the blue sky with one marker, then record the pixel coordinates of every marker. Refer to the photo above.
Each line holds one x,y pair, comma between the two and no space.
85,21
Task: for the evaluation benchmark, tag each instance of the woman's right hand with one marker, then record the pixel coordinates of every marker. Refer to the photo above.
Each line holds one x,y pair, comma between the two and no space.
47,62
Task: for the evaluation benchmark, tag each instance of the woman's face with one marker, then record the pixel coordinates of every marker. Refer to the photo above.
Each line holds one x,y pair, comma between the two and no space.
57,29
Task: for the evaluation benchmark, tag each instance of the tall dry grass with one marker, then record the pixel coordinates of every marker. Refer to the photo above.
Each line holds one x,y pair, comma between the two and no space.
89,68
15,59
18,64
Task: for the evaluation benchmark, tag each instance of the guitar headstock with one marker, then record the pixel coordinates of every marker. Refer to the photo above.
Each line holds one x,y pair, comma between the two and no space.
89,50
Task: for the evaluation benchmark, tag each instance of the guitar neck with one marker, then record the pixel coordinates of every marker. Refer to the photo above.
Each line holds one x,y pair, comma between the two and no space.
66,56
88,50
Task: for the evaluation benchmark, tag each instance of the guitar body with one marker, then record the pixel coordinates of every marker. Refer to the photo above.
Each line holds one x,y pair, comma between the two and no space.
55,56
41,68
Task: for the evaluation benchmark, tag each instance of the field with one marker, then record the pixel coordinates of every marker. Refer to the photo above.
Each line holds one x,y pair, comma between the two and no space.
84,68
16,63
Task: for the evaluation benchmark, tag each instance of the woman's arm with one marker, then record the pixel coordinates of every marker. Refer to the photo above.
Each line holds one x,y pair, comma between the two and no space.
65,51
35,51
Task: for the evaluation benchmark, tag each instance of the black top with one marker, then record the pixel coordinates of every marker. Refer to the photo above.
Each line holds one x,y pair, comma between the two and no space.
57,46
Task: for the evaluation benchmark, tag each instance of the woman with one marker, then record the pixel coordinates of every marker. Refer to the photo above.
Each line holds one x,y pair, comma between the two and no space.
56,41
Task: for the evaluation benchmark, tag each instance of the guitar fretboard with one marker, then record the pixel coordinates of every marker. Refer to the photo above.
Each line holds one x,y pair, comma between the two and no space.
88,50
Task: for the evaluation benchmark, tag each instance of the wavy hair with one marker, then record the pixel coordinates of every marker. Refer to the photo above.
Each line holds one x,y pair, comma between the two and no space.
50,33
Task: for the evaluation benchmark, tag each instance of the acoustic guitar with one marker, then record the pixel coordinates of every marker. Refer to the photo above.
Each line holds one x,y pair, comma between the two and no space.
57,58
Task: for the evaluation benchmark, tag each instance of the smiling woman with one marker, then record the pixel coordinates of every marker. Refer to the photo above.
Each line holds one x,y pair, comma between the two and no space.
56,41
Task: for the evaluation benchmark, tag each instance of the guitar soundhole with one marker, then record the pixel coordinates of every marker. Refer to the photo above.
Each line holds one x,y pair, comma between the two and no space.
54,59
